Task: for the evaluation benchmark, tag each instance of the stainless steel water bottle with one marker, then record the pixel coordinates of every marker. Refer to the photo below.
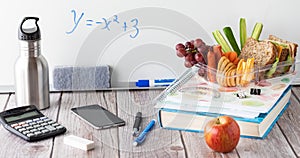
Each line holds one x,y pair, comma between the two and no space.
31,68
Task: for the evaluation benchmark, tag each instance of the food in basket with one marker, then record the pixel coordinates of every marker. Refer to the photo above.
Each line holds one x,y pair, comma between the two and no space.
197,52
263,52
224,71
193,52
286,52
270,51
287,47
212,64
258,60
233,57
247,72
230,75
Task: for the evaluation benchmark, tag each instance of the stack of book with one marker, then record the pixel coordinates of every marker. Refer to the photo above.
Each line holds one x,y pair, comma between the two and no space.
190,101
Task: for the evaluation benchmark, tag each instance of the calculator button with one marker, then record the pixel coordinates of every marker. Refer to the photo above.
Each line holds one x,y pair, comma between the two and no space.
44,124
36,126
37,133
33,130
22,123
28,121
46,120
36,119
50,122
59,127
42,118
41,128
14,125
39,121
18,127
25,125
29,127
45,131
22,129
55,124
32,123
25,132
30,135
50,128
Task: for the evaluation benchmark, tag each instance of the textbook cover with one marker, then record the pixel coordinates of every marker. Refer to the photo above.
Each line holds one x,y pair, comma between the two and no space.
258,127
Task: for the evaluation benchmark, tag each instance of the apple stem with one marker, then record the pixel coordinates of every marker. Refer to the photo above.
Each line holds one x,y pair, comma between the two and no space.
218,121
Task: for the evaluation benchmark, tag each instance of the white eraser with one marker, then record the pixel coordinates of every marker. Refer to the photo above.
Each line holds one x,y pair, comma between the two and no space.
79,142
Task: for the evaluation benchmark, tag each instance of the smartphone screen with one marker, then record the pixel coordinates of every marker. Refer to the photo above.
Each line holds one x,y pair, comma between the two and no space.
98,116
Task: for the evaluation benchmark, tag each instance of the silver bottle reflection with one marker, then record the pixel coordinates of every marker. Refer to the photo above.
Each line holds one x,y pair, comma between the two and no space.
31,69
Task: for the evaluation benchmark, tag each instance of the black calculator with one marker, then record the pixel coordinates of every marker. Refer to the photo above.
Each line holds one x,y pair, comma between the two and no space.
30,124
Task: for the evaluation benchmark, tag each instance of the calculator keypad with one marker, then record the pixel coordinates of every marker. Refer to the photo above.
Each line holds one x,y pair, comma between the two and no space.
36,127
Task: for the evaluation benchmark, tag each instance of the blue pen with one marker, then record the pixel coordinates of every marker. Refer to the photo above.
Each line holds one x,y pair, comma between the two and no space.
154,83
142,136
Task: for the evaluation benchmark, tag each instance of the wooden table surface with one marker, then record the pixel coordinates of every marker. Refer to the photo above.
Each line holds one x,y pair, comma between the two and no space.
283,140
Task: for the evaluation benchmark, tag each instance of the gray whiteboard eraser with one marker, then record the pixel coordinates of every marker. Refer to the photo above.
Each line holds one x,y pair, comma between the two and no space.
81,78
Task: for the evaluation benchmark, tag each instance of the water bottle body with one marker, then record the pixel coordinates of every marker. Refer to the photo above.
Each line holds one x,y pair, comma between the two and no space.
32,78
31,68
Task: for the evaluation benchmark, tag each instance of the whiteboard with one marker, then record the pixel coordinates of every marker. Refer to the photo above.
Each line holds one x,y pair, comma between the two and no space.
135,37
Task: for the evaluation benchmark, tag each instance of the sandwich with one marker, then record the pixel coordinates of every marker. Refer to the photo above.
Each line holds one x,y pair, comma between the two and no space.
264,52
288,49
269,53
286,52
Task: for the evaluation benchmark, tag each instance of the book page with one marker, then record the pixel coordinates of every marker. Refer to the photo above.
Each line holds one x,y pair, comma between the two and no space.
199,95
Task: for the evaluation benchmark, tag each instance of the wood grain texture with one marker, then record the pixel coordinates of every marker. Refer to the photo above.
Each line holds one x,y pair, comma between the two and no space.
289,122
275,145
283,140
106,141
196,147
159,142
13,146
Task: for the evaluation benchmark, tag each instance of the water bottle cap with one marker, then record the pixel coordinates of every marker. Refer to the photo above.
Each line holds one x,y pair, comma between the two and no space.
32,33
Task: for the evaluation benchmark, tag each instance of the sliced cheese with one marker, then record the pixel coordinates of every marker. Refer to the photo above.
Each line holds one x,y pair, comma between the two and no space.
279,48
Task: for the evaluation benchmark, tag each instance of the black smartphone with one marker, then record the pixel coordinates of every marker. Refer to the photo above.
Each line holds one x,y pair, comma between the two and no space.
97,116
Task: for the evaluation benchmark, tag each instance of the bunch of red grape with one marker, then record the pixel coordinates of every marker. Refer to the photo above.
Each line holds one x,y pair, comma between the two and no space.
194,52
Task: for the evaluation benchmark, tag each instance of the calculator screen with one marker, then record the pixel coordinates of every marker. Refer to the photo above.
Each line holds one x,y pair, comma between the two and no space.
21,116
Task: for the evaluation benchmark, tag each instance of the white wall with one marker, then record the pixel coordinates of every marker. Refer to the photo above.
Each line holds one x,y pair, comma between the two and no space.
82,47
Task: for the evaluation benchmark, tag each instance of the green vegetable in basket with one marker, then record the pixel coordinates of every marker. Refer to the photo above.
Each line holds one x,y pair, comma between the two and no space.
230,37
243,32
257,31
273,68
289,61
221,41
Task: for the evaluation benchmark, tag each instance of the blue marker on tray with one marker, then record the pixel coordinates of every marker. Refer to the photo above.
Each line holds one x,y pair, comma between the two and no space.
154,83
140,139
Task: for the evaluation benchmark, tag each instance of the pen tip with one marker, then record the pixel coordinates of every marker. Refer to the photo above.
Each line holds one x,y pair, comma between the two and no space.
135,143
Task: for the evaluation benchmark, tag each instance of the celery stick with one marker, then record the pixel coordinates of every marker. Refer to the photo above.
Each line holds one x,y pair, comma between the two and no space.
257,30
230,37
221,40
243,32
218,40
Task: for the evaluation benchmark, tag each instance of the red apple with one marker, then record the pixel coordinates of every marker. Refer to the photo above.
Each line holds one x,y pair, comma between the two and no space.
222,134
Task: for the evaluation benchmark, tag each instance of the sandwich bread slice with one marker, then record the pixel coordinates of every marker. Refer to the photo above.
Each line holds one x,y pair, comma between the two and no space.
288,48
263,52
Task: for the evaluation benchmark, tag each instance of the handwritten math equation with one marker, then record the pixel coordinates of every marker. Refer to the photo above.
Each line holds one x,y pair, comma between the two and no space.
105,23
